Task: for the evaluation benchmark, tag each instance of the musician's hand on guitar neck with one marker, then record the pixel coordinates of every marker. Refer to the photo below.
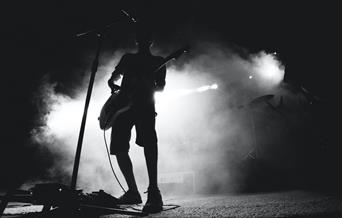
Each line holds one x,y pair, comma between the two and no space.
113,86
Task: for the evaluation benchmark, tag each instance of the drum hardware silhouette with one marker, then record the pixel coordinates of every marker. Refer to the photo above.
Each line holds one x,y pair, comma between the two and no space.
254,153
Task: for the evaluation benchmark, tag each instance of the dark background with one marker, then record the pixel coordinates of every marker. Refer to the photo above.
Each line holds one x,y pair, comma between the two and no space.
38,38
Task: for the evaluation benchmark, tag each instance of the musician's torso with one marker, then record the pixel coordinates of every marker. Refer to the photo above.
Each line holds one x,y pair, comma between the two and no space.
139,78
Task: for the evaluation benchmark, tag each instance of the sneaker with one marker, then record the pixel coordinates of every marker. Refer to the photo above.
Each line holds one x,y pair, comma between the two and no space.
154,203
130,197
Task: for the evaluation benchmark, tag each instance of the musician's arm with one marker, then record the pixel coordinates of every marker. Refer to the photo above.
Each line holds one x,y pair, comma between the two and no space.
160,79
115,76
119,70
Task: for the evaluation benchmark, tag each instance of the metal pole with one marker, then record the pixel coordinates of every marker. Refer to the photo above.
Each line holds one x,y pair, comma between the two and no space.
84,118
255,142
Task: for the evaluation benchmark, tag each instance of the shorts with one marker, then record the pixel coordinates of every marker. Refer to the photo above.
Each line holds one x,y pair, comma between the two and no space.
121,130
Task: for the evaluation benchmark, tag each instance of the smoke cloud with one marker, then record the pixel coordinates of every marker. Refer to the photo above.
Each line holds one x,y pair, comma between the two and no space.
203,123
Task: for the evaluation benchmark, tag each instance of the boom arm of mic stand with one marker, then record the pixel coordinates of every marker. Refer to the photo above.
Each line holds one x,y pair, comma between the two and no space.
101,29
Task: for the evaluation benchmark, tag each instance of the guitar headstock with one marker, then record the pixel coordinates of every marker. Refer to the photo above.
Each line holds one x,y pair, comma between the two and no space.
186,48
174,55
179,52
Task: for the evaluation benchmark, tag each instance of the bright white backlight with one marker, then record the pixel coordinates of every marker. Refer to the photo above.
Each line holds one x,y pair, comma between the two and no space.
214,86
269,70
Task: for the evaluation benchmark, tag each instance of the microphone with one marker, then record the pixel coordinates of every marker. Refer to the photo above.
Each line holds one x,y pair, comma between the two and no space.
106,26
129,16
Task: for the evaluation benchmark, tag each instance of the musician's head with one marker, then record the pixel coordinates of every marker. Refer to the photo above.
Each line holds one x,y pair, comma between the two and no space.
143,37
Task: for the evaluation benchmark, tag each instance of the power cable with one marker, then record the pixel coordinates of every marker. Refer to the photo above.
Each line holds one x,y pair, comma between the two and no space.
110,162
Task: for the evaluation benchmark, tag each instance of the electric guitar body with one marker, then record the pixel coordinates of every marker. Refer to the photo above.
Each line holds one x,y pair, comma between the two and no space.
117,104
114,106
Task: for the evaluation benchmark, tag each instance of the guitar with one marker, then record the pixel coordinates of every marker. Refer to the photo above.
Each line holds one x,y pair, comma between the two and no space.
116,105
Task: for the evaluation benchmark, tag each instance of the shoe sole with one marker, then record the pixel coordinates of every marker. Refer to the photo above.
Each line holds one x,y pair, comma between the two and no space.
154,209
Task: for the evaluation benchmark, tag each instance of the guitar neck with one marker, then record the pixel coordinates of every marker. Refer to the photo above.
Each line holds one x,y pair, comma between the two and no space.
173,56
167,60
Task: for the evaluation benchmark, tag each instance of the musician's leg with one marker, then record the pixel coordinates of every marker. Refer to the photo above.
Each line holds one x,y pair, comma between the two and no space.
132,195
126,168
151,157
154,201
121,134
147,137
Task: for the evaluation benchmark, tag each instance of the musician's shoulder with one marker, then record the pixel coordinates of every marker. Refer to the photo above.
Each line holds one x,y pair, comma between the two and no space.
127,57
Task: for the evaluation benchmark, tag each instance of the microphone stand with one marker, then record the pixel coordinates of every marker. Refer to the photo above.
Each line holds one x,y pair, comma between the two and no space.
50,188
99,34
95,208
68,197
94,67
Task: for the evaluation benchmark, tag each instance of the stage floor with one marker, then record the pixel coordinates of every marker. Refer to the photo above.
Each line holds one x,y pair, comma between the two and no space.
296,203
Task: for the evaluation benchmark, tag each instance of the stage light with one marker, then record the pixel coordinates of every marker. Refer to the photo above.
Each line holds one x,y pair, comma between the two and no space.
203,88
268,70
214,86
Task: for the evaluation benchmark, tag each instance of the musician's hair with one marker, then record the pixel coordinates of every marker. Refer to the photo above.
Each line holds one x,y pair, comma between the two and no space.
143,33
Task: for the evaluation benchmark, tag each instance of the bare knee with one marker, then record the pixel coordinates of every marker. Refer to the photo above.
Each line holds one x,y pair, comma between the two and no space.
122,155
